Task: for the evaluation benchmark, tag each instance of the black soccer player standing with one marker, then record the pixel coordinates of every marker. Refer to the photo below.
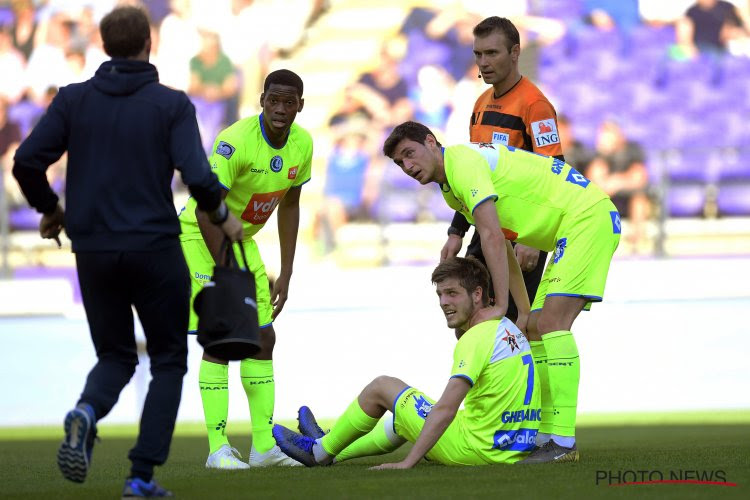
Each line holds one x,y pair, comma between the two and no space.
125,134
513,112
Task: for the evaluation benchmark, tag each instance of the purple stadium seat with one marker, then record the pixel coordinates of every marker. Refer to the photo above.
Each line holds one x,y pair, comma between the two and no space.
395,179
693,165
686,201
438,208
24,218
734,199
734,165
397,206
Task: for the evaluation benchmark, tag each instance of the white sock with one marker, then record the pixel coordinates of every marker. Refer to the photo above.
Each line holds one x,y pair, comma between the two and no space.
564,441
542,438
321,456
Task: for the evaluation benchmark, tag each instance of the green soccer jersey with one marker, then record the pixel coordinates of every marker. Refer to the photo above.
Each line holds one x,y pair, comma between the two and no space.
256,174
532,192
502,410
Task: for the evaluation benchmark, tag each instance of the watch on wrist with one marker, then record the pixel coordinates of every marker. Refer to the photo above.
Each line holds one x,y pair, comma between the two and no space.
219,215
456,231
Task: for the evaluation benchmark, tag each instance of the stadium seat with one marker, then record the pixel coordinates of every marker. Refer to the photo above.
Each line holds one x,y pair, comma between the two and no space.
734,165
734,199
686,200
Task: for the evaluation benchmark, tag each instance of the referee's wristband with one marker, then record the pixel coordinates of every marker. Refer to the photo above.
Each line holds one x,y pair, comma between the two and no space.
456,231
219,215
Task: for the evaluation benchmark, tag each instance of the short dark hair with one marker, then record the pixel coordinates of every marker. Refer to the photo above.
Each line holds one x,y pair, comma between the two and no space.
469,272
408,130
284,77
500,24
125,31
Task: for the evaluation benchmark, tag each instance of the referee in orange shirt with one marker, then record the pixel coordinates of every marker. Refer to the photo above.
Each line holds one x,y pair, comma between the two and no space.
516,113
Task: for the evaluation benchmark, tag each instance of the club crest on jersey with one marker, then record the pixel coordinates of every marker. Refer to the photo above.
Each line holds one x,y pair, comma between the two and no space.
500,138
225,149
276,163
545,132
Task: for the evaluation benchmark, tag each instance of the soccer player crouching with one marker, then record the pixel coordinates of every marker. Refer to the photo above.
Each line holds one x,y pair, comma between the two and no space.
492,374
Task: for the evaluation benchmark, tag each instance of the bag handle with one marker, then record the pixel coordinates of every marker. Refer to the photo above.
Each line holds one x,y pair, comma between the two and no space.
228,255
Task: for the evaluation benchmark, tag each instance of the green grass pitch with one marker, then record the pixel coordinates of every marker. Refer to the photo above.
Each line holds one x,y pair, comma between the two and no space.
717,449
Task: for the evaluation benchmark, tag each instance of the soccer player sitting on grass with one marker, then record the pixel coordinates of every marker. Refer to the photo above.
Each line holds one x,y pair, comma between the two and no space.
492,374
543,203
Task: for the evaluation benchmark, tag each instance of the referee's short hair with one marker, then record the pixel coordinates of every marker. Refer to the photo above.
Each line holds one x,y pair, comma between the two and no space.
469,272
125,31
501,25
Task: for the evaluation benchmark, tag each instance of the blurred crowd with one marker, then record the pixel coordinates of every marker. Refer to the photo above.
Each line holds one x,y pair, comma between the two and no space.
614,69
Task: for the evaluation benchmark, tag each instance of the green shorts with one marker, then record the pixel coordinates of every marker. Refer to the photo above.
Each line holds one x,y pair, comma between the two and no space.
580,263
201,266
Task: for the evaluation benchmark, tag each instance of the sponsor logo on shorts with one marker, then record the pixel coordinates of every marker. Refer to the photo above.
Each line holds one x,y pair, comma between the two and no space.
225,149
422,406
560,249
517,440
531,414
616,222
277,163
261,206
545,132
292,173
500,138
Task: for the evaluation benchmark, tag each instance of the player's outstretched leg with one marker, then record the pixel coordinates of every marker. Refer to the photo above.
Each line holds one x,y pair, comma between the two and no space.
301,448
307,424
74,454
227,458
138,488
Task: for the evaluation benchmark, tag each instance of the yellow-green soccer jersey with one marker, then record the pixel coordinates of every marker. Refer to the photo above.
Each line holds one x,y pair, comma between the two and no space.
502,410
532,192
256,174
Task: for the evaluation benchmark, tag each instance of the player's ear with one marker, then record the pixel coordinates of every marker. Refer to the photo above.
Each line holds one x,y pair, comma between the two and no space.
262,98
301,104
515,52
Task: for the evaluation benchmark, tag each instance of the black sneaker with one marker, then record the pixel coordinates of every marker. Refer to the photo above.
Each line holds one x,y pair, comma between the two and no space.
307,424
551,452
74,454
295,445
138,488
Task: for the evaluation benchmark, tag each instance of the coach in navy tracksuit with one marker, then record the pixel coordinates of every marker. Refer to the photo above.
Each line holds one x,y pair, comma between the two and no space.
125,134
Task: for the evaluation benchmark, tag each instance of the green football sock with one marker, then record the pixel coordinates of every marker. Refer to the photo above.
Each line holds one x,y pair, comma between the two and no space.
540,364
564,371
379,441
257,380
213,380
354,423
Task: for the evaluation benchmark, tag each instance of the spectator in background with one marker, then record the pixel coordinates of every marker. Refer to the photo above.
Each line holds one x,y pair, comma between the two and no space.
10,138
608,15
48,65
179,41
619,169
25,27
12,65
382,91
708,26
576,153
351,184
213,86
431,96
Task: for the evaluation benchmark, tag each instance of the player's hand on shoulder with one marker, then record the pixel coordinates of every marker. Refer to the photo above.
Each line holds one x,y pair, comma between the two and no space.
232,228
451,247
486,314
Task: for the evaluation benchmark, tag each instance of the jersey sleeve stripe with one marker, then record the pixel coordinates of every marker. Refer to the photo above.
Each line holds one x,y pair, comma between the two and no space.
492,196
465,377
